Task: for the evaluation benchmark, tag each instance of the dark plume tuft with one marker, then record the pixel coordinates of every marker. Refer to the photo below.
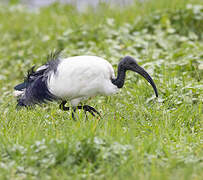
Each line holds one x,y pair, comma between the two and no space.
53,60
35,83
54,55
30,73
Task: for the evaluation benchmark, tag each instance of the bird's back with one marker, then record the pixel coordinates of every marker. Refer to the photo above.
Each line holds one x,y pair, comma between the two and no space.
82,76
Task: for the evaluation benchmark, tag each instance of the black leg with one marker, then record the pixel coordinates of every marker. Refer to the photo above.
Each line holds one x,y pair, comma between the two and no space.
86,108
63,107
73,113
90,109
86,117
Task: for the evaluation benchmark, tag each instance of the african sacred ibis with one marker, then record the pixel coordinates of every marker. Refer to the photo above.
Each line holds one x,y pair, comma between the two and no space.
75,79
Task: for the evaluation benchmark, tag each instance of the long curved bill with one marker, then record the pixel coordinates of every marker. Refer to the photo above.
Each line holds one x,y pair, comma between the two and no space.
143,73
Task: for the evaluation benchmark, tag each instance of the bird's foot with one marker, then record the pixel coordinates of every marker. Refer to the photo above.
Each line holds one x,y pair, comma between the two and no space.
90,109
86,108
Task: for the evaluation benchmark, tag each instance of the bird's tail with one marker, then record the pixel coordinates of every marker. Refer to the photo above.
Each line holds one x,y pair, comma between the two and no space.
34,89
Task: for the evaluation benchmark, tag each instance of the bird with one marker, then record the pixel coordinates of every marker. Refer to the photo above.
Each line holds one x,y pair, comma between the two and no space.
75,79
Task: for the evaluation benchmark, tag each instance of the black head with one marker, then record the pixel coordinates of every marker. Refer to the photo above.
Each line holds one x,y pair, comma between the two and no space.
129,63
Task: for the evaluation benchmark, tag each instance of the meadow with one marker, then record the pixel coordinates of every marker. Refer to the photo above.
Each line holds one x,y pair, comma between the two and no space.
138,135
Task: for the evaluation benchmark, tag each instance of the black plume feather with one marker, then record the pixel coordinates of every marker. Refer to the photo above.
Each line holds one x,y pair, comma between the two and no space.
30,73
35,82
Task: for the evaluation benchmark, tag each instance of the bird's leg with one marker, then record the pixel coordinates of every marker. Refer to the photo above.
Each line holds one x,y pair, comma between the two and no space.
73,113
86,117
86,108
89,109
63,107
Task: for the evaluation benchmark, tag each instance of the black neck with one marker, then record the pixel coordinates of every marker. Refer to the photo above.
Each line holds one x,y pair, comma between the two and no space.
120,79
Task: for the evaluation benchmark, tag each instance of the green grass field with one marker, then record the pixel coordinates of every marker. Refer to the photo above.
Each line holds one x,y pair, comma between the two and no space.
138,136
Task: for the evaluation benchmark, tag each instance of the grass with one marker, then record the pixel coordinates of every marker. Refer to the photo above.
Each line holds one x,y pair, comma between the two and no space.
138,136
